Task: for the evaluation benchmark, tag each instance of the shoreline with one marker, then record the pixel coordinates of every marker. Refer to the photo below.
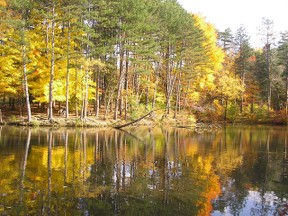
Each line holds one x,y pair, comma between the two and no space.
151,120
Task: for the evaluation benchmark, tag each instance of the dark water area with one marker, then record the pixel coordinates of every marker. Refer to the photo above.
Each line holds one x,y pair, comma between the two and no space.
236,170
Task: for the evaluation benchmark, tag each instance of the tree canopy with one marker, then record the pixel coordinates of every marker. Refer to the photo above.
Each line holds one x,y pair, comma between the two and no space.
117,55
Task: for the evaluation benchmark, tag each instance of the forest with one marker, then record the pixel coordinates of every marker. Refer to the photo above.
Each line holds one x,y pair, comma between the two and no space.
125,58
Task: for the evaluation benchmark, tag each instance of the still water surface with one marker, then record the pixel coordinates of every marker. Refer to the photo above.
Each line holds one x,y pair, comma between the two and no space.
236,170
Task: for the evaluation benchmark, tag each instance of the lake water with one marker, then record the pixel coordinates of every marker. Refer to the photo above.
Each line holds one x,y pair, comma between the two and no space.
236,170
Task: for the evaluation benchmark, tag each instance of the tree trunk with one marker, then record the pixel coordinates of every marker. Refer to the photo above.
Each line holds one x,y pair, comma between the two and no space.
242,93
136,86
129,123
85,99
25,82
76,90
186,95
67,71
126,84
226,109
155,88
97,99
269,95
177,101
267,47
170,80
178,91
50,105
120,81
252,105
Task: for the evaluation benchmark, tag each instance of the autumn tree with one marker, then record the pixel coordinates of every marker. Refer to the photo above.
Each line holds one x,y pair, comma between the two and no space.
8,79
23,42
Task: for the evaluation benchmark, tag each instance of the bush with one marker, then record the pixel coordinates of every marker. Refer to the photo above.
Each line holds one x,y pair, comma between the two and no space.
136,109
233,112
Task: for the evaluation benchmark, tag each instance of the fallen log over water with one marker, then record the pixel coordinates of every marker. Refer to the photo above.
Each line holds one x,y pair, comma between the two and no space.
132,122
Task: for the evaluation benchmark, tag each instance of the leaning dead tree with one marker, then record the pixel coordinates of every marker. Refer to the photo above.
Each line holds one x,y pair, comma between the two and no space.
132,122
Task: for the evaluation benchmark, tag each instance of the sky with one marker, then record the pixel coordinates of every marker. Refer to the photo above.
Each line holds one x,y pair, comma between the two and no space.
234,13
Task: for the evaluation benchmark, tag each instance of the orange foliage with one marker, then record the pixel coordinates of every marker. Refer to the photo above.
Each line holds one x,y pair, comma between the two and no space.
211,186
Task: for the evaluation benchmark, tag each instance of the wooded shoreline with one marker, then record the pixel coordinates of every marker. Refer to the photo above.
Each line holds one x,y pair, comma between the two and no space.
40,119
150,119
126,58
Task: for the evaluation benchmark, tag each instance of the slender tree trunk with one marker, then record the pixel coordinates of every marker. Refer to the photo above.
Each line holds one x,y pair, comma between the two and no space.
186,95
252,105
267,47
226,109
126,84
67,70
177,101
170,80
25,81
178,91
242,93
147,97
136,85
120,81
76,90
85,98
97,99
155,88
50,105
269,96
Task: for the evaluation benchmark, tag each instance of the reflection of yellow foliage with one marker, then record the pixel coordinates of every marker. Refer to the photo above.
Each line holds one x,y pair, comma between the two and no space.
7,170
6,161
191,149
57,160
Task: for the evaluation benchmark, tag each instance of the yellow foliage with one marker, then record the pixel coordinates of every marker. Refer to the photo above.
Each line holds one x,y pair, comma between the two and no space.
214,53
90,63
3,3
229,85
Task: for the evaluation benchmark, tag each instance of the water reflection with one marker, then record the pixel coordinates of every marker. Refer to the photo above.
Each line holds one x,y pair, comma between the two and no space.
159,171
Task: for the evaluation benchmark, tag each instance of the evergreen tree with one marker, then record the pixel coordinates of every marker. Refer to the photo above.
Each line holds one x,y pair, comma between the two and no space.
243,53
268,38
283,61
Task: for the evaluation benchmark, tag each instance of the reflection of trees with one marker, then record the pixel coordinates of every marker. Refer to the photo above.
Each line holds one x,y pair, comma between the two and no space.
49,166
111,172
259,151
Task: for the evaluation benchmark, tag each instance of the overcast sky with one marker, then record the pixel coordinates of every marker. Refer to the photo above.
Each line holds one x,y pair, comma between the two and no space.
249,13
